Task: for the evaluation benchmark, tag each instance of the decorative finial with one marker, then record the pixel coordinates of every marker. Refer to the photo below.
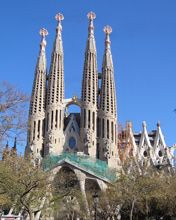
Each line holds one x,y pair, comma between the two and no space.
43,32
107,29
144,124
59,17
158,124
91,15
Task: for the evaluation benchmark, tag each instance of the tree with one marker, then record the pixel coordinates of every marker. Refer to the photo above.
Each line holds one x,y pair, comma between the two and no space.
67,199
23,185
34,191
141,192
12,112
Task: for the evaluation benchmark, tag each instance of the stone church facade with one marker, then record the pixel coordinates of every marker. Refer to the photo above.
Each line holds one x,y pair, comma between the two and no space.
93,134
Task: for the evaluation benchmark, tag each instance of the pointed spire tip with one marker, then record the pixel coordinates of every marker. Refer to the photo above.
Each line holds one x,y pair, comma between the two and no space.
59,17
158,124
107,29
91,15
144,124
43,32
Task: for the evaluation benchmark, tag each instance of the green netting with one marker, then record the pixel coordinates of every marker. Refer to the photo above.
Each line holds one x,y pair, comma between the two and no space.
91,165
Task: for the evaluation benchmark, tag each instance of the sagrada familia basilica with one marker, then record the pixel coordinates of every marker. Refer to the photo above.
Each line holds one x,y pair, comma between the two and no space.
90,143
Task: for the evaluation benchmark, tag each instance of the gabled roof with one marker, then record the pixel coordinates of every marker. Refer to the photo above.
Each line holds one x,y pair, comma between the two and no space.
144,140
159,138
71,117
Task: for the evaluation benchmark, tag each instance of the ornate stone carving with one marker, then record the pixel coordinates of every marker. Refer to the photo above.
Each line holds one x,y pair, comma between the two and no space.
88,139
107,144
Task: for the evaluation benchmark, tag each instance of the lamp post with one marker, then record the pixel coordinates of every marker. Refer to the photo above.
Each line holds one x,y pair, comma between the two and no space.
95,200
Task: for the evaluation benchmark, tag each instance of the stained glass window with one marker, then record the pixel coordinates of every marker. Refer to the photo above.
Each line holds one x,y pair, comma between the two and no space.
72,143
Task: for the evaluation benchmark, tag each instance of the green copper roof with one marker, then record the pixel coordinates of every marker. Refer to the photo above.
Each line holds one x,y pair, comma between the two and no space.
93,166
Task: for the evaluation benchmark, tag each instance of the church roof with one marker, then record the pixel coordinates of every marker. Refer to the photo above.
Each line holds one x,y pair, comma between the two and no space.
90,165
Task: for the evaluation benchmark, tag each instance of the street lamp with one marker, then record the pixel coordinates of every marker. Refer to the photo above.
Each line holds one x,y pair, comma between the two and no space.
95,200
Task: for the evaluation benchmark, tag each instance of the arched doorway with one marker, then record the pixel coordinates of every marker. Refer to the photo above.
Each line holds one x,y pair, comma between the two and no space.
91,186
66,179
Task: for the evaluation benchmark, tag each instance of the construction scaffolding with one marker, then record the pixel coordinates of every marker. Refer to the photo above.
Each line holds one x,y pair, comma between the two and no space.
91,165
125,143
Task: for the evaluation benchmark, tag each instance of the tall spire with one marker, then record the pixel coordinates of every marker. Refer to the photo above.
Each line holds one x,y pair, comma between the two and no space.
58,41
55,95
107,111
39,84
108,91
37,103
56,75
91,40
89,92
42,55
107,61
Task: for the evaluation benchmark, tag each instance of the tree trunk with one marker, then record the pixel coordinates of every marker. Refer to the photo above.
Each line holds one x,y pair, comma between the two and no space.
31,216
37,216
132,208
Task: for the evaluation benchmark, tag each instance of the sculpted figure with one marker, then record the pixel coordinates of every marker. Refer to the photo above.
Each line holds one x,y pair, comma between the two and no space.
88,139
107,149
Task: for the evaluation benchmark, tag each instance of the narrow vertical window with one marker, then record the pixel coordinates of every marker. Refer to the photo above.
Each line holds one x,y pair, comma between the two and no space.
93,120
89,119
47,122
56,119
108,129
84,118
38,129
43,128
112,131
98,126
52,120
60,119
103,128
98,152
34,130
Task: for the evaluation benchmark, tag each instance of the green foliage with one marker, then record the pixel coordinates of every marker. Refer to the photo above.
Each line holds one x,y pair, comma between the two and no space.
142,193
22,184
68,201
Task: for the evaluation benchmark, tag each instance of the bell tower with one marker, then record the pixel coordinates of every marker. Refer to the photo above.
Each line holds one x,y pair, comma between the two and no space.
107,116
55,96
36,121
89,93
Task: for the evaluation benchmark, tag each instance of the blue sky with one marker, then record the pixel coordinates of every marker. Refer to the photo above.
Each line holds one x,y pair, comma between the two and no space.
143,48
